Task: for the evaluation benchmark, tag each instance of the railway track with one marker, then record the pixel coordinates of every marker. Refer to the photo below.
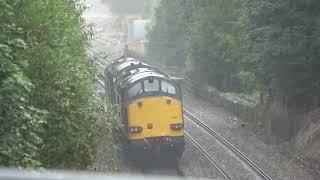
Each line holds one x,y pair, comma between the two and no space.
226,143
207,155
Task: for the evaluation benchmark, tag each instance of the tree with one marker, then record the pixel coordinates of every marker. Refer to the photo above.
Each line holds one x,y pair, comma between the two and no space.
167,35
283,48
204,35
46,85
214,45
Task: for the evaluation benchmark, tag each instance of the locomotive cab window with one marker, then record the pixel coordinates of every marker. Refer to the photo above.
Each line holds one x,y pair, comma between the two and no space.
168,88
151,85
135,90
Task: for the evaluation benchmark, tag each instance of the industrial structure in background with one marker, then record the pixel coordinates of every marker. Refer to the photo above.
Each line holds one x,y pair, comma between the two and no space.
135,28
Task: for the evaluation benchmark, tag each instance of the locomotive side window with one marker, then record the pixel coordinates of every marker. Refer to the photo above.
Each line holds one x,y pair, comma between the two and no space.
168,88
135,90
151,85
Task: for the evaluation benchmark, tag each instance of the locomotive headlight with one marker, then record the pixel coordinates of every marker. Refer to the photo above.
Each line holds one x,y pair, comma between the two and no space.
177,126
135,129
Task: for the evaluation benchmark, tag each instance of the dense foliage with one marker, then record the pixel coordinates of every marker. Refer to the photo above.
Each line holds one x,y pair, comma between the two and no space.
244,45
283,42
168,41
47,108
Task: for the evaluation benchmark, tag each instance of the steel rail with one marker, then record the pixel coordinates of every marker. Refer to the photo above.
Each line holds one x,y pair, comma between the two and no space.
236,151
213,161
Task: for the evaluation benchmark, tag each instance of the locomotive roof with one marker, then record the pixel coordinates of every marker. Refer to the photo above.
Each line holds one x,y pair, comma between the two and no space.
120,60
143,71
111,68
142,75
132,72
132,64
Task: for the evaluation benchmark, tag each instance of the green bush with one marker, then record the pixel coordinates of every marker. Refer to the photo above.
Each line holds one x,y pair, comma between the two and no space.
47,107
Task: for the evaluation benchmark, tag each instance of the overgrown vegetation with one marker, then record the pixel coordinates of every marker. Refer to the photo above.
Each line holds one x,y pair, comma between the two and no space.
244,46
48,112
168,42
109,138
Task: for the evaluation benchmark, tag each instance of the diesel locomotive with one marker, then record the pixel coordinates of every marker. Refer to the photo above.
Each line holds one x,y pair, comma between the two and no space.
149,105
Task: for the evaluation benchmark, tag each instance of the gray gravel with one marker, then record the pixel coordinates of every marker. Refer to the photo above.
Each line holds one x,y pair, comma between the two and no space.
269,157
194,164
234,166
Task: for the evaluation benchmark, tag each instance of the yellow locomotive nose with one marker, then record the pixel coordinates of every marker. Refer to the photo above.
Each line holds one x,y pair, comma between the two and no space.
158,116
